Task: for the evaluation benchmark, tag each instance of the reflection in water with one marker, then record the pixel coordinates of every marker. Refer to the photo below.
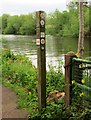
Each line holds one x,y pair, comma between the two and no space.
56,47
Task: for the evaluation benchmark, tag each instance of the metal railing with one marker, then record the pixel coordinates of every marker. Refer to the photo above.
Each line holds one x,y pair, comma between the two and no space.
81,81
77,81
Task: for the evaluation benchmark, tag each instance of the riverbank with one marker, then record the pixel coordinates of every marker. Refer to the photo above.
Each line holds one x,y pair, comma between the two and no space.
21,76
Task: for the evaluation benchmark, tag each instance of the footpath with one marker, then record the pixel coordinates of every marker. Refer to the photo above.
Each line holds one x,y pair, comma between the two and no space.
10,110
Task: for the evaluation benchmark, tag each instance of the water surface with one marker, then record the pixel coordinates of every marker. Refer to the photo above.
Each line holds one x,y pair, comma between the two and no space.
56,47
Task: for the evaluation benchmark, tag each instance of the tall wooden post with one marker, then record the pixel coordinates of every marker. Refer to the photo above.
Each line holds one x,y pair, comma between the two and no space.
68,77
41,58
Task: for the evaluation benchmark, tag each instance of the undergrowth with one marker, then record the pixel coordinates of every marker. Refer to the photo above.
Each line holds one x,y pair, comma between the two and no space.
20,75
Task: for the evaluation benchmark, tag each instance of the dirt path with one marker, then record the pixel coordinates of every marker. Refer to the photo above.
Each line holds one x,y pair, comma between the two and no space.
9,106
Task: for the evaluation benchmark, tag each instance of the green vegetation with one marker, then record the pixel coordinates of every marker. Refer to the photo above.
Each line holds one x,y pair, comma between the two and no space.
64,23
23,24
20,75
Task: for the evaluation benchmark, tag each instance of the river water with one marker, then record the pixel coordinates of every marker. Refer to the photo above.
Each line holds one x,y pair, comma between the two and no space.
56,47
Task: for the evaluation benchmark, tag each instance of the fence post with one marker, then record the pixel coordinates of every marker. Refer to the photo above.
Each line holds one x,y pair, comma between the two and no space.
41,58
68,77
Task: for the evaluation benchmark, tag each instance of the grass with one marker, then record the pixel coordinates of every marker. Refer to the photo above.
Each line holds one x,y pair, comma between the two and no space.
21,76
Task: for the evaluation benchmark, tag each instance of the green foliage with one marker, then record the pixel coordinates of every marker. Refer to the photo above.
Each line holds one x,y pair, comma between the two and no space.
0,24
18,69
87,21
4,21
13,25
20,75
55,79
66,23
81,106
28,26
23,24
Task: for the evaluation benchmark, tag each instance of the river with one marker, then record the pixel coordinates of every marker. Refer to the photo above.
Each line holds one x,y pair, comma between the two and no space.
56,47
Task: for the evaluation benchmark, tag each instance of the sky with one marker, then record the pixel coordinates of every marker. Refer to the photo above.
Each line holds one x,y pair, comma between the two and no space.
13,7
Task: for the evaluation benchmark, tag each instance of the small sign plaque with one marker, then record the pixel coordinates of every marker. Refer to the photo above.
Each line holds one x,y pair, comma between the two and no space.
42,22
42,34
38,42
42,41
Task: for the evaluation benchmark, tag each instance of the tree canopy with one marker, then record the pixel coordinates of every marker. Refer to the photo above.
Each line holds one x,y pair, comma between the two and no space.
23,24
64,23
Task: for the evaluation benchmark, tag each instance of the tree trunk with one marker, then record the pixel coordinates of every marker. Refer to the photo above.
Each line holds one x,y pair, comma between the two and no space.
81,31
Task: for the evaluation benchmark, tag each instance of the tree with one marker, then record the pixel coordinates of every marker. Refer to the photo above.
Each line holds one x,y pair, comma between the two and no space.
23,24
72,5
28,25
0,24
81,31
71,26
12,25
4,21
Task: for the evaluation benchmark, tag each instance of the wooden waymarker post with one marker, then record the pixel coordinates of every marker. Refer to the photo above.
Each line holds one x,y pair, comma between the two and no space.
41,58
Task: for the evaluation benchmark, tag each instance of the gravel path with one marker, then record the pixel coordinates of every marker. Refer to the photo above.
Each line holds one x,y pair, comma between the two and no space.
9,106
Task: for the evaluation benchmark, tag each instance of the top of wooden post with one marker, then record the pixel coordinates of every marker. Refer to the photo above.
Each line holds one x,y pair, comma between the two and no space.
71,54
